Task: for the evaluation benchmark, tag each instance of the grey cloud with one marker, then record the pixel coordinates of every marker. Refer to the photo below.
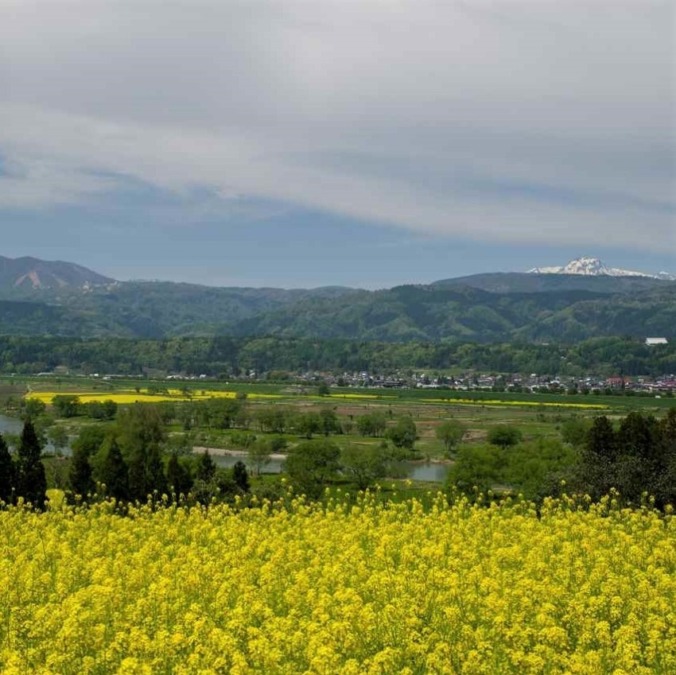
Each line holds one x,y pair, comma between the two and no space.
416,114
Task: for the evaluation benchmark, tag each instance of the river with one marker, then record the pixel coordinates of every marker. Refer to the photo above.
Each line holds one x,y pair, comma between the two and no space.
13,425
433,472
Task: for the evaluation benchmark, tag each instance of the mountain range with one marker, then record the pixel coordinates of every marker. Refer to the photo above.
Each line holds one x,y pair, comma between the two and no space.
586,300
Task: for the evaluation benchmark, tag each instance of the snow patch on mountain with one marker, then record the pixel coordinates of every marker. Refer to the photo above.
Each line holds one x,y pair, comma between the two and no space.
594,267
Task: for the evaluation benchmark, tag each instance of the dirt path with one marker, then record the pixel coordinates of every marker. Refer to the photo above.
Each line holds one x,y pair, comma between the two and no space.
222,452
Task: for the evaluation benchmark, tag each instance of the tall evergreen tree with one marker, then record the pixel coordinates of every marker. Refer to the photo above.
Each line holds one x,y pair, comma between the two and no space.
206,468
31,479
241,476
598,470
178,477
80,475
146,472
114,473
7,473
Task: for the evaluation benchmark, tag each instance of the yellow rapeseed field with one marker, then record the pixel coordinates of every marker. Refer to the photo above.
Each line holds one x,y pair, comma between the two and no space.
129,397
368,589
499,402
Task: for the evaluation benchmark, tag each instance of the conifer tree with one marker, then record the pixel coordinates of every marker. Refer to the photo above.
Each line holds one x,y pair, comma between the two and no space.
241,476
206,468
80,475
7,473
178,477
115,473
31,479
146,472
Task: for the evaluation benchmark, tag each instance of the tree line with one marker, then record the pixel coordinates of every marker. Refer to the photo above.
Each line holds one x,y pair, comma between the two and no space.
635,456
231,357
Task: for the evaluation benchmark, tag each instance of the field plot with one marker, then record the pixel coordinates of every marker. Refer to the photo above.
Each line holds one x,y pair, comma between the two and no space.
365,588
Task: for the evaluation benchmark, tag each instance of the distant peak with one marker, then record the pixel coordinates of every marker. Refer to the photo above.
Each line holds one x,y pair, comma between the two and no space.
594,267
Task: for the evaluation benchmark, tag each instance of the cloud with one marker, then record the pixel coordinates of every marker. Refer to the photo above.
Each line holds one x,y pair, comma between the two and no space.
505,120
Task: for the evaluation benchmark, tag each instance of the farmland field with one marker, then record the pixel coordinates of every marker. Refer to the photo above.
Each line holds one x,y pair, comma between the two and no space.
339,589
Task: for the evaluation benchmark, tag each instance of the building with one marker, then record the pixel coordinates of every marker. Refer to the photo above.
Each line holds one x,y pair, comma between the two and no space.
652,341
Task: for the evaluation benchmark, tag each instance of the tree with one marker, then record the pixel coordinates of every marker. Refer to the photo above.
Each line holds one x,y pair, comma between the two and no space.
308,424
601,440
329,423
139,427
32,408
146,472
404,433
574,431
179,479
364,464
274,420
241,476
258,455
504,436
114,473
311,463
66,405
31,479
476,466
7,473
372,424
206,467
58,437
80,474
450,433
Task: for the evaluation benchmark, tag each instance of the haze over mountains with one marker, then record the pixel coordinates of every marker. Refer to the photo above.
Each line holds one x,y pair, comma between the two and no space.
546,304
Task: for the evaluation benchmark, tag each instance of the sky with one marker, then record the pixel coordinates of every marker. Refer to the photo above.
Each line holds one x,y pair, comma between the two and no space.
337,142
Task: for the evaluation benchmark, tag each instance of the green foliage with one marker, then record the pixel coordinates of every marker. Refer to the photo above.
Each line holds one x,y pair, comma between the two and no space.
450,433
638,458
146,472
328,422
574,431
58,437
311,464
258,455
477,467
32,408
66,405
504,435
80,475
307,424
364,464
206,468
532,469
273,419
100,410
240,476
179,480
372,424
404,433
7,473
114,473
31,481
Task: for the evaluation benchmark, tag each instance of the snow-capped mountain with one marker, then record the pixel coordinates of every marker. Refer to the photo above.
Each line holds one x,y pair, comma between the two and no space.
593,267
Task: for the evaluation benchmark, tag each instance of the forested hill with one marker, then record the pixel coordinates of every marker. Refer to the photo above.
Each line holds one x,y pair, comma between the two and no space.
484,308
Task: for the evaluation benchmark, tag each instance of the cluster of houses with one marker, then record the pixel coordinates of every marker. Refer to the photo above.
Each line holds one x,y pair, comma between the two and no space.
534,383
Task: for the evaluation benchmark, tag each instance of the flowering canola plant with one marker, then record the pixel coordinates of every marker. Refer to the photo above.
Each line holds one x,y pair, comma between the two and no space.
144,396
340,588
